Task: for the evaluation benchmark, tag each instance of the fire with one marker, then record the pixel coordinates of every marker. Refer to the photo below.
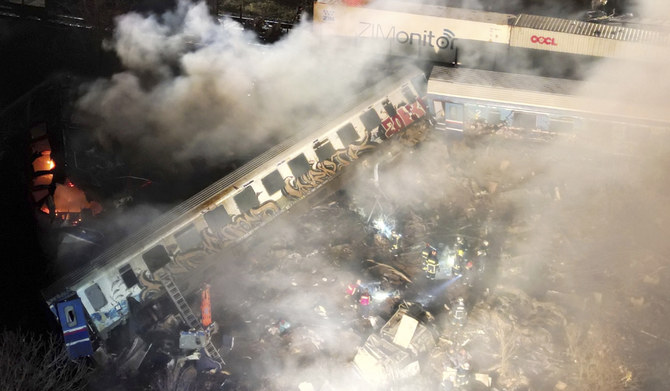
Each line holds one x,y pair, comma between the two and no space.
67,197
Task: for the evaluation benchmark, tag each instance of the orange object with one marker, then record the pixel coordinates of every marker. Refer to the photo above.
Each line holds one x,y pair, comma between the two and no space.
206,307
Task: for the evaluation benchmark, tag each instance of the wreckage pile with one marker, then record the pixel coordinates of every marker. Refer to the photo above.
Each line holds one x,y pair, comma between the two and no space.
291,296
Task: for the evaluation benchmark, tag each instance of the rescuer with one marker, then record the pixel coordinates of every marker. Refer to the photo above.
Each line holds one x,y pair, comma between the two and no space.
354,288
430,263
428,250
395,242
459,314
459,258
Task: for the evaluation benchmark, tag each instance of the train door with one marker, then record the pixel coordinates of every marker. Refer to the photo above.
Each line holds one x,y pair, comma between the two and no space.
75,330
453,117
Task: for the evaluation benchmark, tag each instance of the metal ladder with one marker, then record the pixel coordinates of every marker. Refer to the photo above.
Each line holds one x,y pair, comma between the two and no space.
191,320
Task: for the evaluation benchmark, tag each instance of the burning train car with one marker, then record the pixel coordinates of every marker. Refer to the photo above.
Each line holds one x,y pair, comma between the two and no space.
95,299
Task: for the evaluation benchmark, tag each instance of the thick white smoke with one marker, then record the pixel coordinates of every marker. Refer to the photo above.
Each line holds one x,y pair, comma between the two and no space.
198,88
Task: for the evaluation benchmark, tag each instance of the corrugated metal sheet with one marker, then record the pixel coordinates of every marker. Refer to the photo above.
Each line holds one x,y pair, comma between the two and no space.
589,29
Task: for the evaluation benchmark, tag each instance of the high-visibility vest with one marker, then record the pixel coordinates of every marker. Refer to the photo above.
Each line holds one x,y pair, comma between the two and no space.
206,308
365,299
351,289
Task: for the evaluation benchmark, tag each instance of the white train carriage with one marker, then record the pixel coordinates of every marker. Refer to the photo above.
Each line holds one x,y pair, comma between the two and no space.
468,99
408,29
228,211
481,39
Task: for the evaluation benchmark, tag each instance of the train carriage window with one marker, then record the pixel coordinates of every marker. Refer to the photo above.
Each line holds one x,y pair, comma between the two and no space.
95,296
273,182
347,134
298,165
217,218
438,107
388,107
188,238
409,95
542,122
561,125
156,258
246,199
370,119
524,120
128,276
454,112
493,116
325,151
70,316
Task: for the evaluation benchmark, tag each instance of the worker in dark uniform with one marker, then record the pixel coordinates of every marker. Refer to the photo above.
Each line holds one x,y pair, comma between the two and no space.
459,258
431,265
427,251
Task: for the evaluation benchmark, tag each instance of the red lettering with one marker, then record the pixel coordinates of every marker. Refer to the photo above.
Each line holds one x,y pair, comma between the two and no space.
404,117
543,40
392,125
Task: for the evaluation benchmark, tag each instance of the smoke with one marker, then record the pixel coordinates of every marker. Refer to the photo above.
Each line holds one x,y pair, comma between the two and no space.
588,213
196,88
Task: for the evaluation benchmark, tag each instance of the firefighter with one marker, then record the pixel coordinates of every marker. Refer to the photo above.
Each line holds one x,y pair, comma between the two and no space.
427,251
430,263
365,303
395,242
353,289
459,314
459,258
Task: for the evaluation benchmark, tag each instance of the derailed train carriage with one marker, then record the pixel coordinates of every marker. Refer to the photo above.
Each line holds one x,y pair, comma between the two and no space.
94,300
472,102
481,39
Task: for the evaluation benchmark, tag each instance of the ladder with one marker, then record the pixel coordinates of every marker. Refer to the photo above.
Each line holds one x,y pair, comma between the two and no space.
191,320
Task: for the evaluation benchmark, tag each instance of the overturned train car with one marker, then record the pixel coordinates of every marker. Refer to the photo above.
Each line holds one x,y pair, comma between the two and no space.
141,268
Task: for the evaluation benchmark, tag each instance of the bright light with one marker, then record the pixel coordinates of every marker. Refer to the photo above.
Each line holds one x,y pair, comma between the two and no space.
380,296
383,226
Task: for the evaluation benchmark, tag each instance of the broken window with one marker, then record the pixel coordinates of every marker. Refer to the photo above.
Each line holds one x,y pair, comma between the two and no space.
370,119
298,165
70,317
347,134
325,151
217,218
246,199
128,276
409,95
273,182
95,296
388,107
156,258
188,238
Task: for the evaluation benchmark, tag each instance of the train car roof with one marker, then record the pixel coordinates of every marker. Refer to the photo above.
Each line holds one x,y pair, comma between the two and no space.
191,207
599,30
439,11
540,93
